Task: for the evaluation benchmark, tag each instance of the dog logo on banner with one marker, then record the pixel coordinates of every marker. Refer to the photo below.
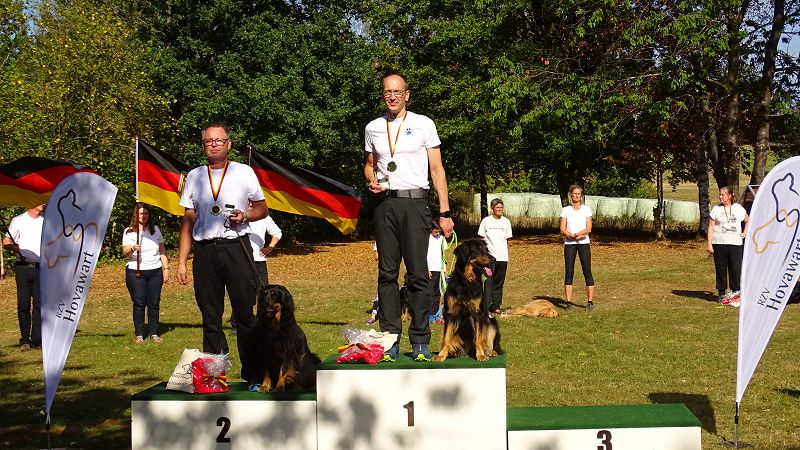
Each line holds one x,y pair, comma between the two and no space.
782,190
56,249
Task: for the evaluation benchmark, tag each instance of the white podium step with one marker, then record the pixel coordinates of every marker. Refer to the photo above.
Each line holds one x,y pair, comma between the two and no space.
458,404
623,427
162,419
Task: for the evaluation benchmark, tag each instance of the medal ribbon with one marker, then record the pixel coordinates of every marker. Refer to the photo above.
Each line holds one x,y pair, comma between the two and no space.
215,190
392,148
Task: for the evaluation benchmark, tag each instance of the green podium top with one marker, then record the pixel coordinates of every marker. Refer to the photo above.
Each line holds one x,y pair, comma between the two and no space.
404,361
237,391
600,417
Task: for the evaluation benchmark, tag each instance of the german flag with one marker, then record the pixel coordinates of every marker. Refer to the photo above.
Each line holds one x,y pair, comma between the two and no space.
159,178
30,180
300,191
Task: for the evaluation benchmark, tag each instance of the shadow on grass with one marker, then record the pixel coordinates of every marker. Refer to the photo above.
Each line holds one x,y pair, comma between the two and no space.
86,419
702,295
556,301
320,322
699,405
790,392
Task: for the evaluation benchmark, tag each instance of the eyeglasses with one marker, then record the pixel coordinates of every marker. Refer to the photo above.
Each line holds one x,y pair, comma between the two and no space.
215,142
389,94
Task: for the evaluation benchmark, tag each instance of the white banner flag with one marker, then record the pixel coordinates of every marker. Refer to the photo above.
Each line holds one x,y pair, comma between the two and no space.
74,226
771,265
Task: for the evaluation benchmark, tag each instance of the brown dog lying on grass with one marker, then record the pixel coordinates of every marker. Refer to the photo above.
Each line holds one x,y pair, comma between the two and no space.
536,308
468,328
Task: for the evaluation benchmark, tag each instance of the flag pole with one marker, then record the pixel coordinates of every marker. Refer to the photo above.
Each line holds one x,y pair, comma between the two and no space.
136,214
736,426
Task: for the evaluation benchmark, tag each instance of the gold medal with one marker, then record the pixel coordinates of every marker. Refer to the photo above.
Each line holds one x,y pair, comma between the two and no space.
392,166
215,210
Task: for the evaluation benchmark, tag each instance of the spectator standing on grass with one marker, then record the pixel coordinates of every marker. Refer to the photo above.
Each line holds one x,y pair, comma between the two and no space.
402,148
496,230
24,238
437,245
575,225
725,244
146,271
373,311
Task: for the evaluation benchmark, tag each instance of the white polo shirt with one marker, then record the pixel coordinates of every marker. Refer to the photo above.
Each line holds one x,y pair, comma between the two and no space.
27,233
417,135
239,187
151,257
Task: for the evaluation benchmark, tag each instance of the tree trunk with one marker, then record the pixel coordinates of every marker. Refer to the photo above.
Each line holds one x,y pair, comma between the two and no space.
701,174
711,144
767,77
659,216
484,186
732,156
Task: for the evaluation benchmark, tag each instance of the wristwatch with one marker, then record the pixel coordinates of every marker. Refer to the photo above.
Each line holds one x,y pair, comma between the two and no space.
445,214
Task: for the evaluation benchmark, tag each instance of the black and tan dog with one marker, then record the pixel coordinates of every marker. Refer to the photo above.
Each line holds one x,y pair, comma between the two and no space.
284,359
468,328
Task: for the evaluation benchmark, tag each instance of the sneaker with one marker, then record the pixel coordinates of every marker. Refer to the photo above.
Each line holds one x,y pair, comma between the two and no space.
156,338
589,307
391,354
24,347
371,320
568,306
421,353
138,340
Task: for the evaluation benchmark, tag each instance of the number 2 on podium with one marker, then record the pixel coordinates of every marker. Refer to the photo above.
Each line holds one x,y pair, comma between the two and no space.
410,407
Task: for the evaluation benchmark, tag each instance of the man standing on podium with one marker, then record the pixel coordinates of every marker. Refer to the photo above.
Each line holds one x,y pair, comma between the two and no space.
401,149
220,198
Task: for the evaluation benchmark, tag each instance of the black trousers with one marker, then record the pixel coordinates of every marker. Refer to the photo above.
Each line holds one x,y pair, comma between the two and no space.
493,288
728,266
217,267
435,291
29,312
585,255
402,227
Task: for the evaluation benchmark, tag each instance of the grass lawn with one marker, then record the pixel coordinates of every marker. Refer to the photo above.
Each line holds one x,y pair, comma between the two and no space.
656,336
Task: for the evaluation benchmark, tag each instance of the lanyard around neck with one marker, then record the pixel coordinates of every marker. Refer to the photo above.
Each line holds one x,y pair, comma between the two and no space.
392,148
215,189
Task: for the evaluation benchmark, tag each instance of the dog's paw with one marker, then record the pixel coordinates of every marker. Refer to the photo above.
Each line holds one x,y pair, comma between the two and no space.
439,358
265,388
481,357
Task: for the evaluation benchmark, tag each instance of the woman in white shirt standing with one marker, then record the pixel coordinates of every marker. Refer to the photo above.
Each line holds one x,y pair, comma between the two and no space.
146,271
496,230
575,225
725,244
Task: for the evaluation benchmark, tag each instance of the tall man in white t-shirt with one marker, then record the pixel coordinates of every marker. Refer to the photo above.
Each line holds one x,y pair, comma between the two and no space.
220,198
401,149
24,238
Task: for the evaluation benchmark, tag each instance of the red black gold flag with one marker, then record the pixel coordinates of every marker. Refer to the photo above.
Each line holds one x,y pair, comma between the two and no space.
300,191
30,180
159,178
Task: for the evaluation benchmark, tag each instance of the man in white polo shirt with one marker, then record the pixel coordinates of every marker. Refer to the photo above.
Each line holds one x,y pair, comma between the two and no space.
401,149
24,238
220,198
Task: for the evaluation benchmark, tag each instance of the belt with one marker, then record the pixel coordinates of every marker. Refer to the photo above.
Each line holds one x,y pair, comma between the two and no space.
214,241
407,193
32,265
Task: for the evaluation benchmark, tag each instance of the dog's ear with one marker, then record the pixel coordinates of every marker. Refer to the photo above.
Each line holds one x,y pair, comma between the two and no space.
462,252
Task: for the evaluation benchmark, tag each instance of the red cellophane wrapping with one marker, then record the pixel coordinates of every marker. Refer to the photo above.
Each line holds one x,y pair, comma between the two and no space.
209,374
359,353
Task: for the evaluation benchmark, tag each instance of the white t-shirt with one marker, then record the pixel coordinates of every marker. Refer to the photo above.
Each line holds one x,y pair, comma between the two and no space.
417,135
496,232
436,247
727,224
258,232
576,221
151,258
239,187
27,233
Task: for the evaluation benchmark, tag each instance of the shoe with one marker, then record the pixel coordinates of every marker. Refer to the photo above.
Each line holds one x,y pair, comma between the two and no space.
432,318
371,320
421,353
391,354
138,340
155,338
589,307
568,306
24,347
